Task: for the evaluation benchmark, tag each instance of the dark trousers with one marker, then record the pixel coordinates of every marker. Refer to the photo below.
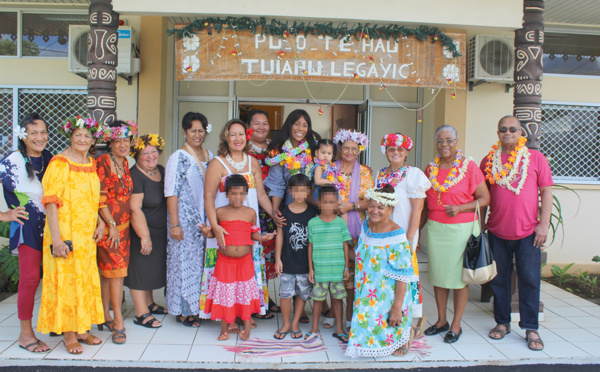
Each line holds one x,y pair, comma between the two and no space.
528,264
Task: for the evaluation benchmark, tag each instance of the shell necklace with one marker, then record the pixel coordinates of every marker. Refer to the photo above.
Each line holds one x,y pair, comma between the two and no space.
238,166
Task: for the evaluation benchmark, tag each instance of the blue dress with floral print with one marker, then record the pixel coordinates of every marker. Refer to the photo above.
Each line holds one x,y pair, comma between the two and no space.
382,259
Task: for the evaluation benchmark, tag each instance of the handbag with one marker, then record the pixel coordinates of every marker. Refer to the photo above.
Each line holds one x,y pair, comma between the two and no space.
479,266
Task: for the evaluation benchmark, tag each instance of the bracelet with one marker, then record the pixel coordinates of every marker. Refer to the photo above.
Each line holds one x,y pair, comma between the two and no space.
346,268
112,222
174,226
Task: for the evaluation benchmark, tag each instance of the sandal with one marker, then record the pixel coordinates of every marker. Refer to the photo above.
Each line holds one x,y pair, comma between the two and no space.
268,315
273,305
35,345
74,345
310,335
304,319
141,320
108,324
157,309
297,334
405,349
90,340
281,335
419,327
502,331
531,340
342,337
187,322
328,323
118,336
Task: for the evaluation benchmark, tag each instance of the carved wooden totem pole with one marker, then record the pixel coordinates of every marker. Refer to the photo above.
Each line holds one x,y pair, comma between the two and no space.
529,70
102,61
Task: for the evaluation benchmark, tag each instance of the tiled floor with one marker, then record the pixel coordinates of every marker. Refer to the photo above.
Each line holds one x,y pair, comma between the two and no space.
571,332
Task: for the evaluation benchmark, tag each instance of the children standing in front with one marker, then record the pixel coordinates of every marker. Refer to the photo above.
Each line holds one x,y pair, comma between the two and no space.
328,238
291,256
233,291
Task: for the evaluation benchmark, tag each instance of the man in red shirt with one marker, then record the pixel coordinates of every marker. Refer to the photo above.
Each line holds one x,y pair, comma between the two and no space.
517,177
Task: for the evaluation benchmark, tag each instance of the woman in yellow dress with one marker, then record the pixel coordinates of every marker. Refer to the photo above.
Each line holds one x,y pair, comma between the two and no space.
71,300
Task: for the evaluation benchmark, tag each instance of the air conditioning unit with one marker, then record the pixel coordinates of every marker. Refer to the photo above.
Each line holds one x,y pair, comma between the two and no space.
126,49
491,59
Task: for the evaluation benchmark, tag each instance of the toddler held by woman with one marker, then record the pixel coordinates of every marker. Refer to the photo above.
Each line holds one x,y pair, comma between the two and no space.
325,171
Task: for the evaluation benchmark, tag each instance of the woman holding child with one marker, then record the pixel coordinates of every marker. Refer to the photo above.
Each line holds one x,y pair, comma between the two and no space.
232,159
384,274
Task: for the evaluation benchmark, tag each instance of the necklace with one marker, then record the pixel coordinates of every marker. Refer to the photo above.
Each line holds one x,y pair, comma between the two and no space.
505,174
191,151
455,175
395,170
145,171
258,150
238,166
126,190
43,165
392,177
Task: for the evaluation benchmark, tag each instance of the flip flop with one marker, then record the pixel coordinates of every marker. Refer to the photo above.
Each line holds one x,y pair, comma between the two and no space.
280,335
304,319
297,334
328,323
38,342
310,335
342,337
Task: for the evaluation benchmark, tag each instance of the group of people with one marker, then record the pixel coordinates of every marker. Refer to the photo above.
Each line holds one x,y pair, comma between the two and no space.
214,229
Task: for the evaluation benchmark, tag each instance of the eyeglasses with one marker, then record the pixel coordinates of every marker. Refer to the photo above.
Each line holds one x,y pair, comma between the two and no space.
441,142
353,150
511,129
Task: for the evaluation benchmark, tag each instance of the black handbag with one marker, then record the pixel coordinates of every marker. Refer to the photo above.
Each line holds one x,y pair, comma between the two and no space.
479,266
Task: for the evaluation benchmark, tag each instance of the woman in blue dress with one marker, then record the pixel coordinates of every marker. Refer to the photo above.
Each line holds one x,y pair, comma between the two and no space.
21,174
381,321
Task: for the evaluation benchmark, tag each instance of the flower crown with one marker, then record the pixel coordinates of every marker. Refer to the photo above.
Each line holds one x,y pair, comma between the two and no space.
79,123
150,139
385,198
344,135
394,139
130,129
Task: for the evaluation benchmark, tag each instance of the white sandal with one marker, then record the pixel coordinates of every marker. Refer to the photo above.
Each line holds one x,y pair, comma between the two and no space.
328,323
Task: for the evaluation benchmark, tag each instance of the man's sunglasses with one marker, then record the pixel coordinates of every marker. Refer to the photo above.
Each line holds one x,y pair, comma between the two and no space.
511,129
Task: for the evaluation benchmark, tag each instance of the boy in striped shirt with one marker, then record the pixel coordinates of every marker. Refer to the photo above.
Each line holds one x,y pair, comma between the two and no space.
328,238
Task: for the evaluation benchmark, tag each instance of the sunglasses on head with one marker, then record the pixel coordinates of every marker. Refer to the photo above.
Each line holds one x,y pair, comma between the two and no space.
511,129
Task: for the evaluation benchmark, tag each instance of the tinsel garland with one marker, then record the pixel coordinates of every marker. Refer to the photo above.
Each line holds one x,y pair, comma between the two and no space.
343,30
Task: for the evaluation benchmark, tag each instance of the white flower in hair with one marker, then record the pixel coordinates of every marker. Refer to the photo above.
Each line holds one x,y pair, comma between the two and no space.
80,123
22,134
209,128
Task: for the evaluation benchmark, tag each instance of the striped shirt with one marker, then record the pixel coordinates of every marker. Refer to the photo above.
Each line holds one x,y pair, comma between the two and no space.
328,240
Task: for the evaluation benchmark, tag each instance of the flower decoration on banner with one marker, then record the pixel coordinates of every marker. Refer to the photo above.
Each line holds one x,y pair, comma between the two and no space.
284,29
332,173
451,73
385,198
294,159
81,123
151,139
447,52
209,128
394,139
455,175
130,129
191,64
249,132
22,134
344,135
191,43
505,174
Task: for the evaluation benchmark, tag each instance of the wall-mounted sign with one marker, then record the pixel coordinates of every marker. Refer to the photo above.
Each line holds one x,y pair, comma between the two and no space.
231,55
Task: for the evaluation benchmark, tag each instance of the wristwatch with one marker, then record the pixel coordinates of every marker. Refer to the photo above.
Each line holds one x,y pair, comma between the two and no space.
112,222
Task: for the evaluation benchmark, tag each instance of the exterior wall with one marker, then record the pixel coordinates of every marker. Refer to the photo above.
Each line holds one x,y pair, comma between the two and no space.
507,14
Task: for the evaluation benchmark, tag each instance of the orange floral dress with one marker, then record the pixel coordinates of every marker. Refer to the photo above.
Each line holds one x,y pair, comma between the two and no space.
114,195
71,300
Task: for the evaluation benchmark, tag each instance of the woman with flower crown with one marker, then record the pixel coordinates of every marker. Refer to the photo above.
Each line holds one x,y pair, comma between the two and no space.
113,250
410,185
148,263
458,187
185,178
357,179
71,295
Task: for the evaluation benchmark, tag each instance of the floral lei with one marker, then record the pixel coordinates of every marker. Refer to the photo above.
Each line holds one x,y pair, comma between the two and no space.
332,173
385,198
130,129
505,174
294,159
455,175
78,122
